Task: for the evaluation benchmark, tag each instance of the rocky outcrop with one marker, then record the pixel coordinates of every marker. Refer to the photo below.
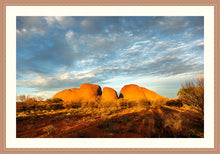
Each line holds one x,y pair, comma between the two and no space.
92,93
132,92
109,95
68,95
86,93
151,95
75,90
89,92
154,98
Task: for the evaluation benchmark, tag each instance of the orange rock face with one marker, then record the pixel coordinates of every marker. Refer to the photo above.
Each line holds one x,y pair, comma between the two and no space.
109,95
153,97
89,92
68,95
132,92
92,93
149,94
75,90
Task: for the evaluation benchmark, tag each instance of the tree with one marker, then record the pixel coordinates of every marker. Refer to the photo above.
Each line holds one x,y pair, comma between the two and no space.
21,98
192,93
27,98
39,98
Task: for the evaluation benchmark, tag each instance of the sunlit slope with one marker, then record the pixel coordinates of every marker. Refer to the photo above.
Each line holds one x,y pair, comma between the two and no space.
153,97
93,93
109,95
87,92
68,95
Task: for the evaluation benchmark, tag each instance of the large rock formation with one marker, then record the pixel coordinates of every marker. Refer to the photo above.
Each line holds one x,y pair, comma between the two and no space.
75,90
89,92
92,93
86,93
132,92
68,95
109,95
153,97
136,94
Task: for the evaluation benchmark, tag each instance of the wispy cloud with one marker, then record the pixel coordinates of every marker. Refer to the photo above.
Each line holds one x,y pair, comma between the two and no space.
55,53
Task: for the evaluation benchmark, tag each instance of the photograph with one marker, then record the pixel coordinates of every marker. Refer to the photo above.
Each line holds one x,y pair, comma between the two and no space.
110,76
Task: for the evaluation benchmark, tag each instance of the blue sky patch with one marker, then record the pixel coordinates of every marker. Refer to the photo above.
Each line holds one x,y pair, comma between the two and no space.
59,52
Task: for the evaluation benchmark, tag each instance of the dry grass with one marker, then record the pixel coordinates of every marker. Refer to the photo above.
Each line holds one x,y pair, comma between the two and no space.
132,122
157,117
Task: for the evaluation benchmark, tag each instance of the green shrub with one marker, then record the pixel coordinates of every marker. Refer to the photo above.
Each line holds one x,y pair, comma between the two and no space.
55,104
41,106
122,103
21,106
91,104
130,104
56,100
76,104
143,103
159,101
69,105
107,104
177,103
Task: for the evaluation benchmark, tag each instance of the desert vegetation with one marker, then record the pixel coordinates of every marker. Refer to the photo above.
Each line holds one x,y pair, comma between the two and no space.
90,112
192,93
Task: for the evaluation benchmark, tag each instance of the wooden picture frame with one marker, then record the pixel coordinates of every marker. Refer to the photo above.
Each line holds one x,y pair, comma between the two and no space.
5,3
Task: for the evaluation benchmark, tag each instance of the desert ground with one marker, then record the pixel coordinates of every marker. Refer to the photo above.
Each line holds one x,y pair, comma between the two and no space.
89,112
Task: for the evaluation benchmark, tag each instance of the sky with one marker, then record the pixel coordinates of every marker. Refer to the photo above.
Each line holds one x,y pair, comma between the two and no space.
62,52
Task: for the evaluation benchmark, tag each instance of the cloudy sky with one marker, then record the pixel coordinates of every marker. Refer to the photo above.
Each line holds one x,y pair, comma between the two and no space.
158,53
